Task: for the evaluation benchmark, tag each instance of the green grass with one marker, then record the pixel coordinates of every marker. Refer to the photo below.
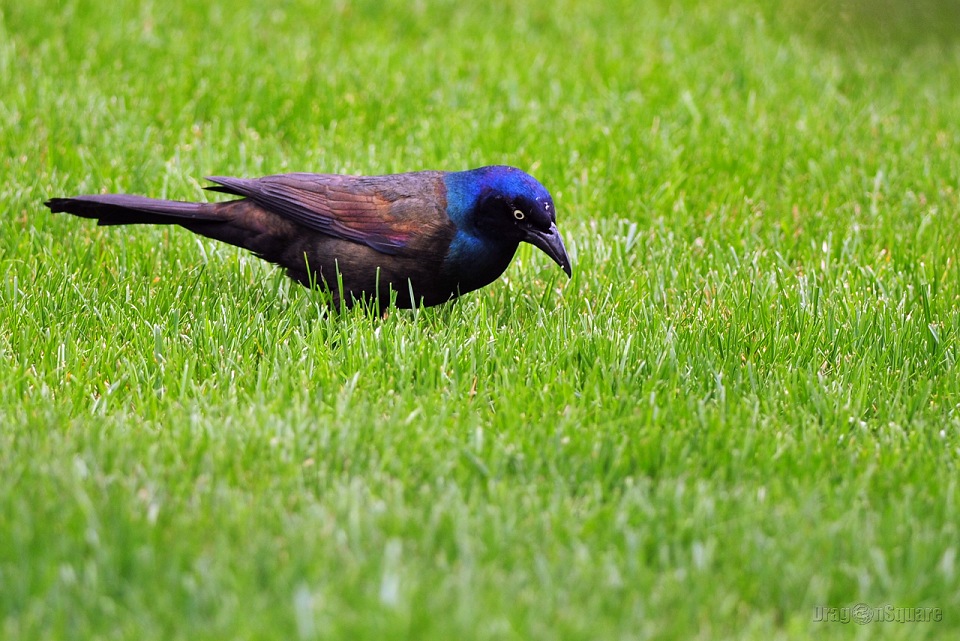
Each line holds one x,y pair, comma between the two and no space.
745,404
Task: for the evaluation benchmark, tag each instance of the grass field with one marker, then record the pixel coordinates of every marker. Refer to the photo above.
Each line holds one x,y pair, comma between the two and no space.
743,406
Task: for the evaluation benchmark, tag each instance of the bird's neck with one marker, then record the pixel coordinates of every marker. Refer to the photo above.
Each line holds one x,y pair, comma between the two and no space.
475,258
477,261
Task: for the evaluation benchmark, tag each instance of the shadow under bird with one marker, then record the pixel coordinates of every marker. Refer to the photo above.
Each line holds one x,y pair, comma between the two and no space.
428,236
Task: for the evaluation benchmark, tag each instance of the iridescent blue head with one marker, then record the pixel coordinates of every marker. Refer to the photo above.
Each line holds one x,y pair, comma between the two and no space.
506,206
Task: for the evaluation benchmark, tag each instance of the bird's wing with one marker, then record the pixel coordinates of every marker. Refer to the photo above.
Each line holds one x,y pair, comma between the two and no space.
360,210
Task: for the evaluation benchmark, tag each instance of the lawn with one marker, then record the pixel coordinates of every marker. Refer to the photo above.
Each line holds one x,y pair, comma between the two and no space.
745,405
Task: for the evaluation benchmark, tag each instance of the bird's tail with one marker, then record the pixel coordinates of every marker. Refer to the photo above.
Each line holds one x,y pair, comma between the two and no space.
121,209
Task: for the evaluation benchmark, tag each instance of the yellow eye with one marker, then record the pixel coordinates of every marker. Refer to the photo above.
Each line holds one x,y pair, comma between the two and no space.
519,215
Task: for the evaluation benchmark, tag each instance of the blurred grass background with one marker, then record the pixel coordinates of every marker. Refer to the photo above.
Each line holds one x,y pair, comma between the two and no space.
884,23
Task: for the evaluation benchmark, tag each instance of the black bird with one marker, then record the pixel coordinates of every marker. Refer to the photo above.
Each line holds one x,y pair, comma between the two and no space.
429,236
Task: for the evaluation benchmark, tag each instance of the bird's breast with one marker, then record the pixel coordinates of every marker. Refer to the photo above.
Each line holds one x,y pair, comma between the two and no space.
472,262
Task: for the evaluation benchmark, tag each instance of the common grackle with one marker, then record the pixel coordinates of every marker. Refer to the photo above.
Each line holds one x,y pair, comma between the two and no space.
429,236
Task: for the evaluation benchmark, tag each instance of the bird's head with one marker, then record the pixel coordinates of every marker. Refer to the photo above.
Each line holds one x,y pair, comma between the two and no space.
512,205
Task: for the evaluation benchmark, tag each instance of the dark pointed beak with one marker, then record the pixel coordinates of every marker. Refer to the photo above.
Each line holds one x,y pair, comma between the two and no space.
552,245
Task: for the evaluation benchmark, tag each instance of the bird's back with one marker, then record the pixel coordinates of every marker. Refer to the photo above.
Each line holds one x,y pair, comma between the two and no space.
370,233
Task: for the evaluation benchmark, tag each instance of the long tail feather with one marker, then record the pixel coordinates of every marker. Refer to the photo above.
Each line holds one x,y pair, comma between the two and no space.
121,209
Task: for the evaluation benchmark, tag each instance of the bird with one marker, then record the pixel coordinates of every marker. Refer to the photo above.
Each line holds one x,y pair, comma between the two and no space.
417,238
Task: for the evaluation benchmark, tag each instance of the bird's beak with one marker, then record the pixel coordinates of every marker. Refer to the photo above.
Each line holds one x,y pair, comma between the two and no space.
552,245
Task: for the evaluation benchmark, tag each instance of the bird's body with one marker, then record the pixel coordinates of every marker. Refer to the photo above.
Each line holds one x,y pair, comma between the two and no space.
428,236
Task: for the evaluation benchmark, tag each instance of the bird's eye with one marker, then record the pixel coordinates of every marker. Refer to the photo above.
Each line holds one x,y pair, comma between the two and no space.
519,215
